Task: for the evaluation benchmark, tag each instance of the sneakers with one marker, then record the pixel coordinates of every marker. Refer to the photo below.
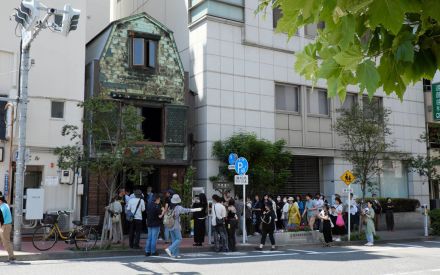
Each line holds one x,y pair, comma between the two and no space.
337,239
147,254
168,252
369,244
178,257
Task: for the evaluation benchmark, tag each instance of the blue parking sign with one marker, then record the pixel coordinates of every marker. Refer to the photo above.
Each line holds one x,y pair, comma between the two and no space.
232,158
241,166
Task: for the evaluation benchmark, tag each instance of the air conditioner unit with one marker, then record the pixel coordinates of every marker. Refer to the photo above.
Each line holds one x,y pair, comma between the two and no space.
66,176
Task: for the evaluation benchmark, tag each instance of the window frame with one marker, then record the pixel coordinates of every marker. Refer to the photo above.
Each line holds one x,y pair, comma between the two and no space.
148,38
162,124
298,95
51,109
309,90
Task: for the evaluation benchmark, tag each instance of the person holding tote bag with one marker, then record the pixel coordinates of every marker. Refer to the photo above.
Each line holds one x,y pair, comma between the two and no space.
339,229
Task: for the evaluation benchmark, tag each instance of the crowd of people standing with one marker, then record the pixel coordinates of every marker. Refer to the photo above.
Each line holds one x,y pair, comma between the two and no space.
160,215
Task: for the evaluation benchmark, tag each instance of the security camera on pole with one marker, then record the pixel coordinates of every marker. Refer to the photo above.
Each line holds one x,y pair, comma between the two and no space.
241,166
28,17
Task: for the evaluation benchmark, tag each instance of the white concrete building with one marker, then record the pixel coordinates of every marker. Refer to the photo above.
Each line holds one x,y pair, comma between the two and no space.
242,71
56,86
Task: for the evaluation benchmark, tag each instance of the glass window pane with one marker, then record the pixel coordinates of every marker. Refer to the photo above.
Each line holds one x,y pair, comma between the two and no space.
226,11
152,45
57,110
138,52
394,180
349,102
317,102
286,98
323,103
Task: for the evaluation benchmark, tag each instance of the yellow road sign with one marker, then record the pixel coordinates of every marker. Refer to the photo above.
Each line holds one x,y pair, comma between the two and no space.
348,177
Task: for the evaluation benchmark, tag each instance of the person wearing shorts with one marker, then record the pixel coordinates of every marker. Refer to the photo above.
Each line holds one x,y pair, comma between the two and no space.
310,210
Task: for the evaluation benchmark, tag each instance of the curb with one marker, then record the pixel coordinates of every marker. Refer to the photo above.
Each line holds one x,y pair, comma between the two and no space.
68,254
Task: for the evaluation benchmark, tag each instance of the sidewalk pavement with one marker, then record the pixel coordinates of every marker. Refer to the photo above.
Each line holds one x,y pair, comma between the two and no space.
66,251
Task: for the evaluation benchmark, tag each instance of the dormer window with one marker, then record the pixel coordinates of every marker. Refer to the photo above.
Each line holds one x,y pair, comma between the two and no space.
143,52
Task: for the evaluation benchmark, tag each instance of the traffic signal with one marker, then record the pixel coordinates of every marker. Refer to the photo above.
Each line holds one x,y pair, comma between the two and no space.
70,19
28,13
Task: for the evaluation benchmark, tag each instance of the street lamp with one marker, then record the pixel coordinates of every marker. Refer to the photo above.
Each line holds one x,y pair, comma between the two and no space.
28,17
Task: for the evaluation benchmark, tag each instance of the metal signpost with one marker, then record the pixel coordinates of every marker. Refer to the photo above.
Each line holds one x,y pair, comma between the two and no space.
28,17
241,167
348,178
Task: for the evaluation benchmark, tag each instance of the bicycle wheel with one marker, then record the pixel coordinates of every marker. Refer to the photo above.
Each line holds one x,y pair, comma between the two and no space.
44,237
85,238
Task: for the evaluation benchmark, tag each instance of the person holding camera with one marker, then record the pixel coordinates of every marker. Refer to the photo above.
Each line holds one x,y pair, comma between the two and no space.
370,230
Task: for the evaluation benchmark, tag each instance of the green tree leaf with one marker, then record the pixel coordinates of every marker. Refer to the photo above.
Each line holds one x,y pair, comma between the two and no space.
390,13
431,8
368,77
349,58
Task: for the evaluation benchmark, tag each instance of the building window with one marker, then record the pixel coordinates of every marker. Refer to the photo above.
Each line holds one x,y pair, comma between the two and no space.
350,101
144,53
311,30
152,125
287,98
57,109
276,16
318,103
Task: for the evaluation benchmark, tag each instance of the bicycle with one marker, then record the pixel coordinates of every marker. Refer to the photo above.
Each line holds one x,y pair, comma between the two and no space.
84,236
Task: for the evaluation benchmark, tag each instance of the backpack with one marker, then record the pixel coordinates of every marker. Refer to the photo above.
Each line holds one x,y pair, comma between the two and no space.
168,218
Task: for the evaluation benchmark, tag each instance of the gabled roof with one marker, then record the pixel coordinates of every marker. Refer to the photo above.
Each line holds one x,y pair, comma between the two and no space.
112,24
130,18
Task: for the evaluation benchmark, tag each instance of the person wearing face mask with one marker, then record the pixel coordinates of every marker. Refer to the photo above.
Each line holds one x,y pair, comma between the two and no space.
279,205
285,211
200,219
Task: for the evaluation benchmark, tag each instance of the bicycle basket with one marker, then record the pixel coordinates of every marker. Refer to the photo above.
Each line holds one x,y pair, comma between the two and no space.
91,220
50,218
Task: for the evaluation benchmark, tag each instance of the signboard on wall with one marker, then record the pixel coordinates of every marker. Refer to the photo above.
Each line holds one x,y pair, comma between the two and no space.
436,101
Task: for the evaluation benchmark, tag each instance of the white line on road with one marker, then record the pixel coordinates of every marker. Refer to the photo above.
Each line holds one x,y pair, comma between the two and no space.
407,245
225,258
414,272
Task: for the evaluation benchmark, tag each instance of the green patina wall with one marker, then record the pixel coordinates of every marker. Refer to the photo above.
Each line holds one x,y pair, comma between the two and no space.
117,76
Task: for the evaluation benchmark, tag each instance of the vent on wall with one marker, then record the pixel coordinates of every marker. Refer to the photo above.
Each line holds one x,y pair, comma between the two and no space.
426,85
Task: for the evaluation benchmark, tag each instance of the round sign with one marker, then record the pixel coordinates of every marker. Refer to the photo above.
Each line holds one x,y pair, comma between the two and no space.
241,166
232,158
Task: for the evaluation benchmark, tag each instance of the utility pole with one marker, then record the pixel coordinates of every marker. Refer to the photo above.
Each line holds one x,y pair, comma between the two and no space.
28,16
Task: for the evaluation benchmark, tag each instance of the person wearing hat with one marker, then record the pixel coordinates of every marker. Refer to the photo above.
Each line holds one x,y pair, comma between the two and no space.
175,209
294,214
135,207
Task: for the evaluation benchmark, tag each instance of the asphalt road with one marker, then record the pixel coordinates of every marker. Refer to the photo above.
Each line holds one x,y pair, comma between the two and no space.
391,258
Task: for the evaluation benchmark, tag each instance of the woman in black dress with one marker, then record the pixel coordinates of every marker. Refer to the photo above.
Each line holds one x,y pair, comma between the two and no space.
199,219
326,225
389,212
231,222
268,218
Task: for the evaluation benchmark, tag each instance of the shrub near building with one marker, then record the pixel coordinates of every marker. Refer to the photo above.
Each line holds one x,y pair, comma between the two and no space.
435,221
400,204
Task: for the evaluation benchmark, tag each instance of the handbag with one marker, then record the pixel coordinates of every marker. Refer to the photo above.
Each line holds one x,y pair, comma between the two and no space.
130,215
340,221
218,221
115,218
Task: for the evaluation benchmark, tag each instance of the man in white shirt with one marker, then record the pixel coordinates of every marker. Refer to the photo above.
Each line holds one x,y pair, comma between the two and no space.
220,235
136,206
